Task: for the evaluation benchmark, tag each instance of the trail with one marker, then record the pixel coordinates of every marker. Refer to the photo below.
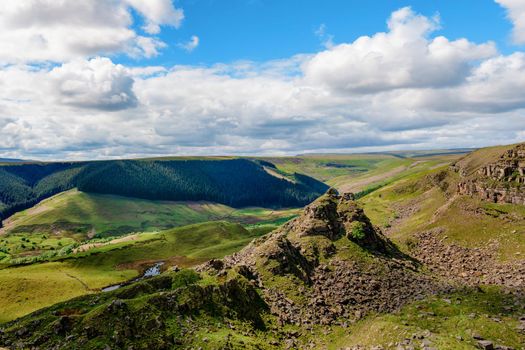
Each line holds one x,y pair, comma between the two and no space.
88,246
443,208
84,284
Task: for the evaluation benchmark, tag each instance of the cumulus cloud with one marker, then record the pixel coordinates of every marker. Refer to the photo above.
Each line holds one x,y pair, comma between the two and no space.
516,14
157,13
190,45
403,57
97,83
44,30
495,86
405,88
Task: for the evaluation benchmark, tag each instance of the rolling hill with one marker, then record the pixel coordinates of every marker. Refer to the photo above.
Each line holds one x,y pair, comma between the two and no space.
72,217
412,262
26,288
328,279
233,182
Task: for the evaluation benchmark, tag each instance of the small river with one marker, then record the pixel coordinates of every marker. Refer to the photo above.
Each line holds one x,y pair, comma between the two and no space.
149,272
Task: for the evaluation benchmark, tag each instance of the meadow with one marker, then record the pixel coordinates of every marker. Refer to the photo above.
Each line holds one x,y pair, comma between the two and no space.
81,242
26,288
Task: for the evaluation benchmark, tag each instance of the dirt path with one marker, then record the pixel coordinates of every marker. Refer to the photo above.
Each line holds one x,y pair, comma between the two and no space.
443,208
84,284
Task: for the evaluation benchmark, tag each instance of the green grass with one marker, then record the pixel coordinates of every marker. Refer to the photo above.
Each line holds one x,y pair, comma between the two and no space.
75,216
467,221
109,215
329,166
449,321
473,223
27,288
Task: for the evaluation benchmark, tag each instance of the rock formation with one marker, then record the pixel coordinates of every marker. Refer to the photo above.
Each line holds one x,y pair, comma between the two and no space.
502,181
328,264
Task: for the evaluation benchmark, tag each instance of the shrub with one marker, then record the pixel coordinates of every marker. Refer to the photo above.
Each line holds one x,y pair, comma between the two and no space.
184,278
358,230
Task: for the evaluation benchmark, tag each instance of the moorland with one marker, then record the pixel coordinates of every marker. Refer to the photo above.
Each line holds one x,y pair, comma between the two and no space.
402,257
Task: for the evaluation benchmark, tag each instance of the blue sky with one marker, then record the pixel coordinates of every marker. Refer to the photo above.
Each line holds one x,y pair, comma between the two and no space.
261,30
97,79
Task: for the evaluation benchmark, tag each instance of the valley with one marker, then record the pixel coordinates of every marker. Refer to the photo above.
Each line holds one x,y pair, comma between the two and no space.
419,264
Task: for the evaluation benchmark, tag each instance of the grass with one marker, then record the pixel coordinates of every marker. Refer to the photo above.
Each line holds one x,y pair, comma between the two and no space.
473,223
109,215
27,288
327,167
75,216
449,322
467,221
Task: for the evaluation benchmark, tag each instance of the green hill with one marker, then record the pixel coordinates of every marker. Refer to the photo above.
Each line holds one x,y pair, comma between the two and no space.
233,182
327,280
72,217
27,288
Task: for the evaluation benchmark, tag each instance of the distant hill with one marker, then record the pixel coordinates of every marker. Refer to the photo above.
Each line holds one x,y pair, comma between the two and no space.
234,182
10,160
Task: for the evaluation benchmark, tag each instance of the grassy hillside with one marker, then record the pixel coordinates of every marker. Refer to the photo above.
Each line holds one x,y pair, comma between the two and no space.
27,288
325,167
313,284
364,172
428,201
73,216
233,182
473,161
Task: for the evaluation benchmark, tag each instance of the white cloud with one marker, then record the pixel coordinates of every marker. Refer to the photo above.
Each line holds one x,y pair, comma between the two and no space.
191,44
326,39
157,13
495,86
516,14
97,83
403,57
47,30
418,91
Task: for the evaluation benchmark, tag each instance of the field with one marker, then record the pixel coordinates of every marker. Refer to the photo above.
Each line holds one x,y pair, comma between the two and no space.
77,243
413,204
360,172
443,322
72,216
27,288
94,240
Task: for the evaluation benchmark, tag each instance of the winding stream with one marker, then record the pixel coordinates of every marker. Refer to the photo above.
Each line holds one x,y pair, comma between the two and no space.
149,272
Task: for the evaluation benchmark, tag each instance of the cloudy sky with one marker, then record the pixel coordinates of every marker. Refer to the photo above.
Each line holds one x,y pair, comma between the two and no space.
97,79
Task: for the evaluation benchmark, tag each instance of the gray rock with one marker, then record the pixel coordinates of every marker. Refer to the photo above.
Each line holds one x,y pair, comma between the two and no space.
485,345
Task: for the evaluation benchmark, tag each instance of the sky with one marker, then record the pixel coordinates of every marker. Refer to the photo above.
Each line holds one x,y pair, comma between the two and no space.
102,79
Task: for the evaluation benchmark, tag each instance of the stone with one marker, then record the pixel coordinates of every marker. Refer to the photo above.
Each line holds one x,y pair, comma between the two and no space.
485,345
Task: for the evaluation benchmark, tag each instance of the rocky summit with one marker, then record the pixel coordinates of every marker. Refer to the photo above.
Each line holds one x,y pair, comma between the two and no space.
329,264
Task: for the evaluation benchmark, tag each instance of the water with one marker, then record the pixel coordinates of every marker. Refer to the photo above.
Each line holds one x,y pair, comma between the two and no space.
150,272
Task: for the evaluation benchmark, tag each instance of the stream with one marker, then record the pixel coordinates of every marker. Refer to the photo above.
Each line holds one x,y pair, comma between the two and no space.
149,272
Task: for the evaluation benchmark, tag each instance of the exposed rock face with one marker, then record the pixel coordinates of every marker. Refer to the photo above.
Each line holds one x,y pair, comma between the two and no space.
327,264
493,194
502,181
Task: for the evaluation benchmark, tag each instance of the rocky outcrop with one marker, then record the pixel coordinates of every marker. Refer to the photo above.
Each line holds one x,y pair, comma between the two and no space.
492,193
502,181
327,265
